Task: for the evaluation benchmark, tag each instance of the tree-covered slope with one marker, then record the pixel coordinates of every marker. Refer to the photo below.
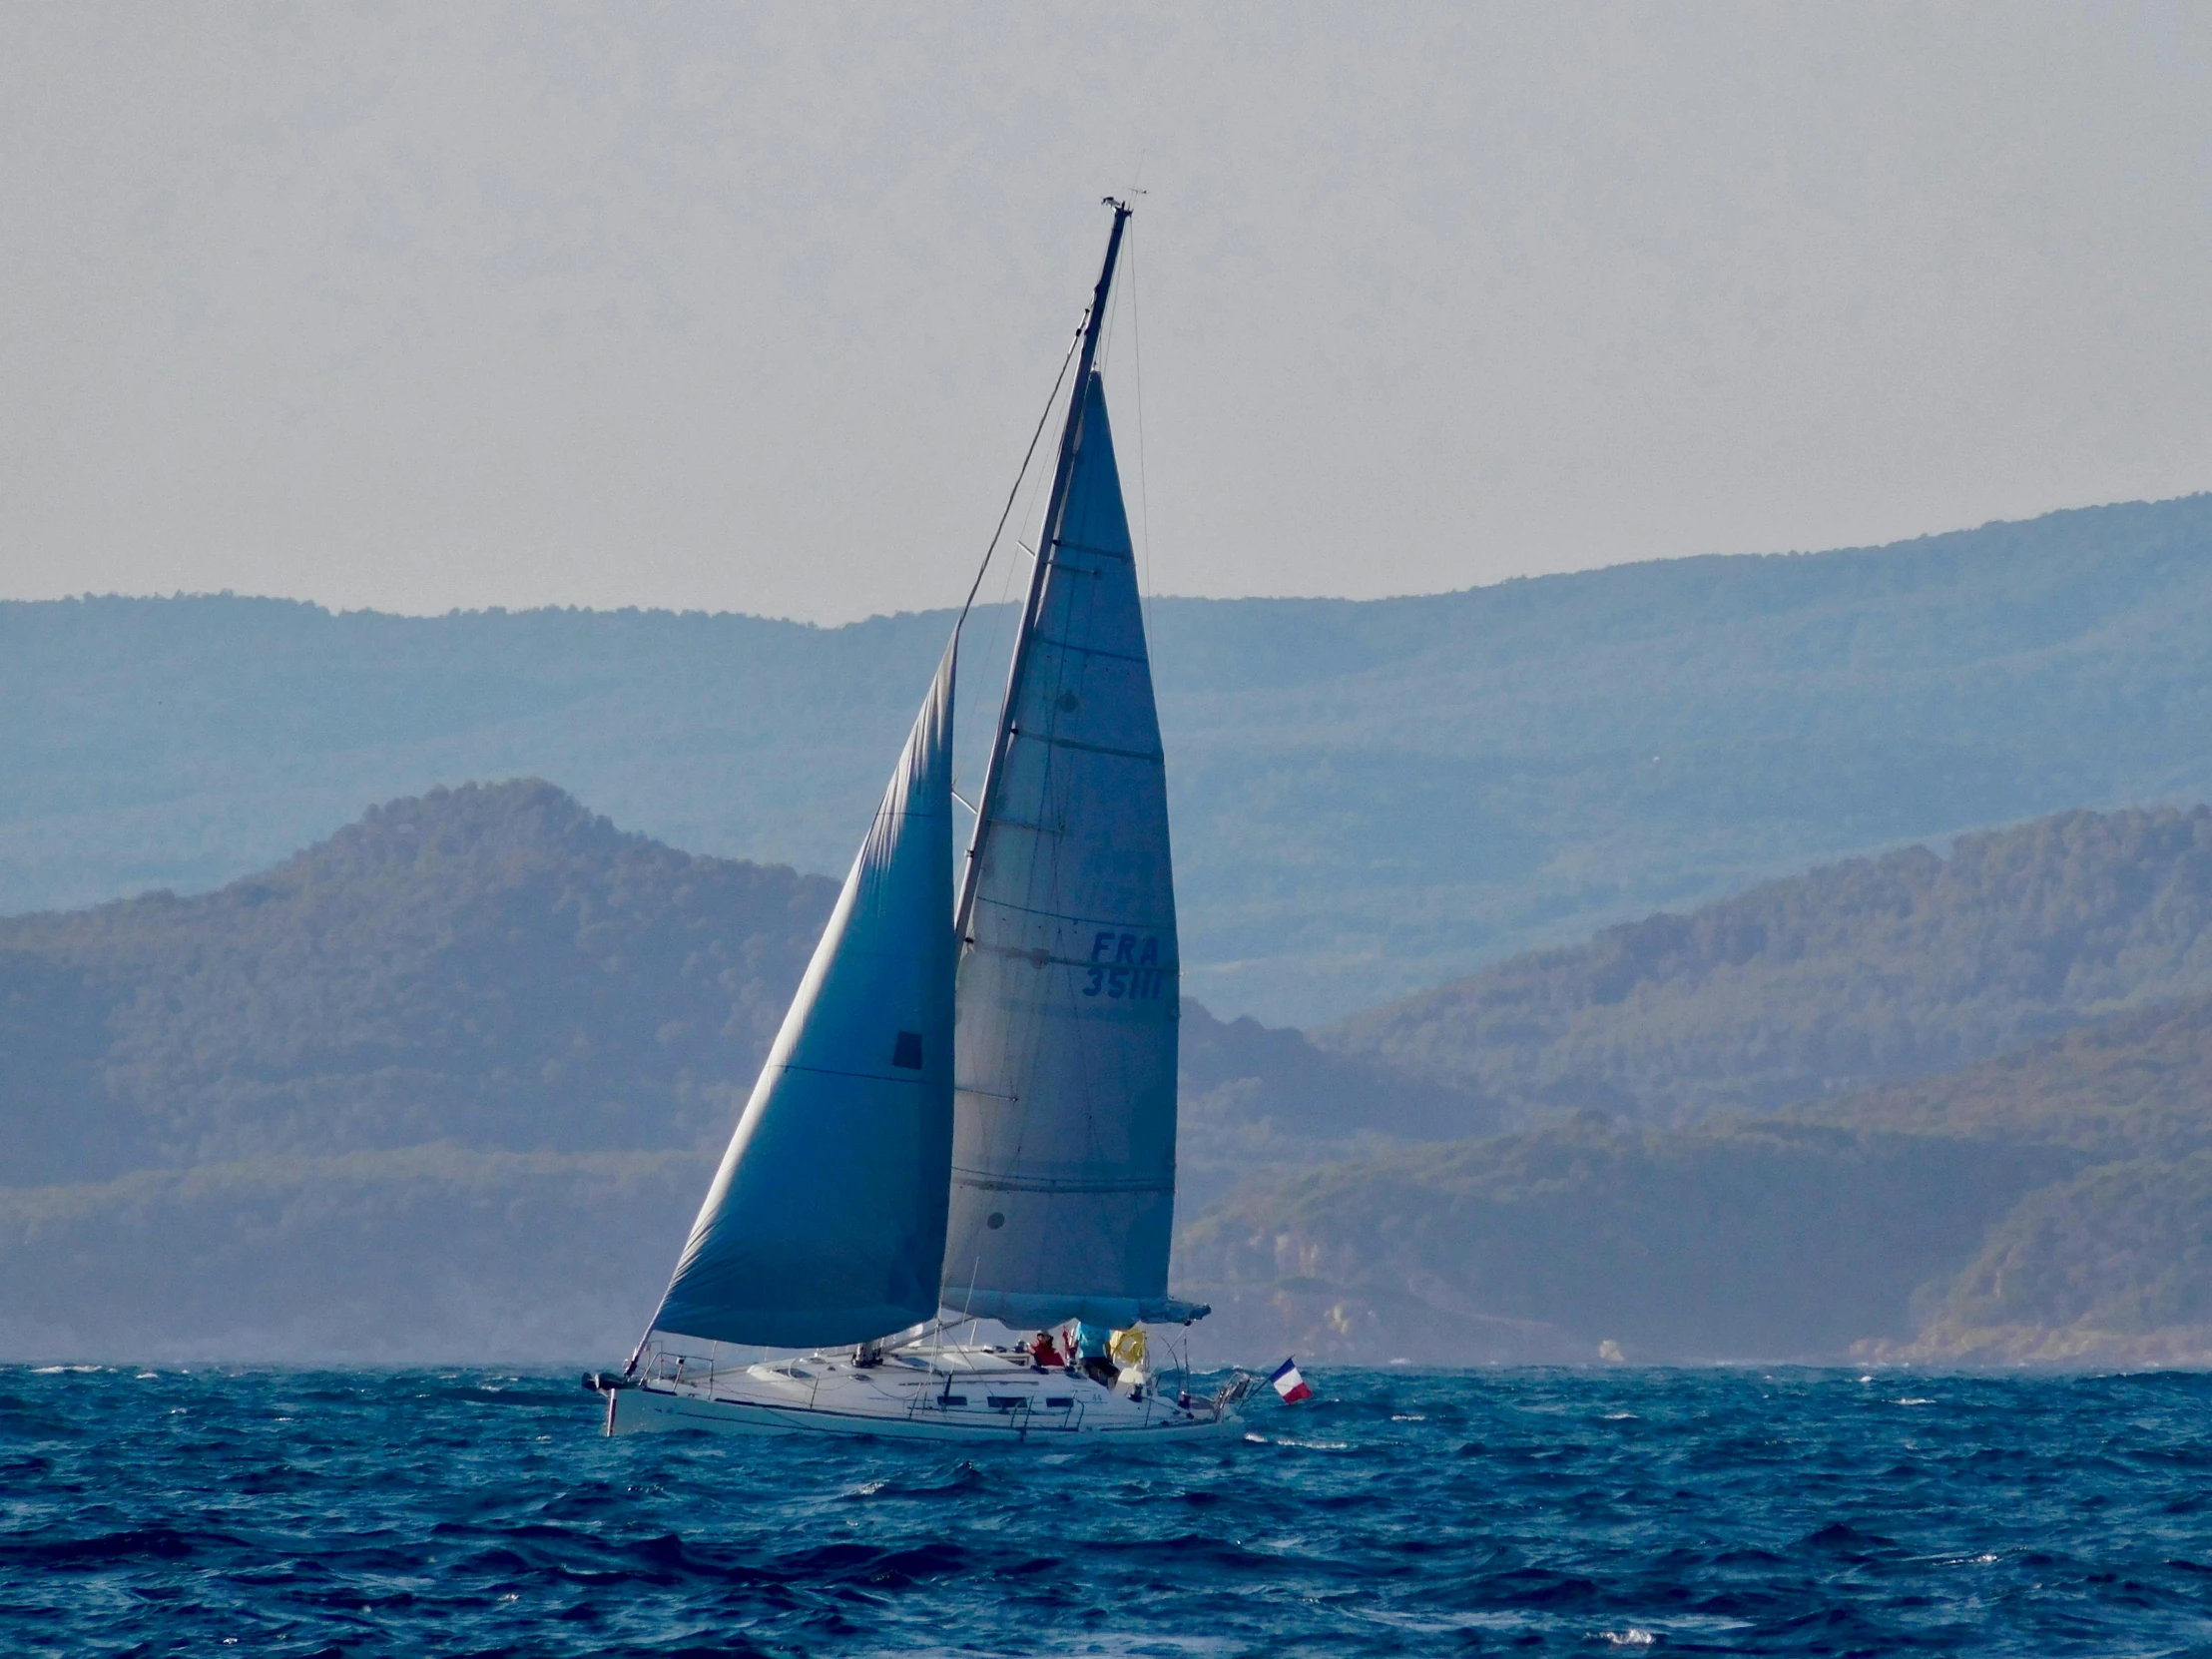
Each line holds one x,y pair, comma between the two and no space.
1368,798
1258,1102
1853,974
423,1253
1724,1242
2113,1266
2049,1205
491,966
2132,1085
453,1082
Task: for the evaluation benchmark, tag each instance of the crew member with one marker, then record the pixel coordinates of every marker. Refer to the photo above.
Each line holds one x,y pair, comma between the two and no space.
1090,1348
1043,1352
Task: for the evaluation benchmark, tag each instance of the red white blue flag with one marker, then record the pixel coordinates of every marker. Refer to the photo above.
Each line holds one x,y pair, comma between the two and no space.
1291,1387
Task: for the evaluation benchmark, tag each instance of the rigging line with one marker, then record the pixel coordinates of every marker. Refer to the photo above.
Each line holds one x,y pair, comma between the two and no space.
990,647
1028,455
1009,572
965,1307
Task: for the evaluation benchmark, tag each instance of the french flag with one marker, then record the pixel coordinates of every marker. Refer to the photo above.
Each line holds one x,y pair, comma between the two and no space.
1291,1387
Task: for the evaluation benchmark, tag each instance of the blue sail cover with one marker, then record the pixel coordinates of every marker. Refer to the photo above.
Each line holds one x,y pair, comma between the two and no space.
1063,1177
826,1221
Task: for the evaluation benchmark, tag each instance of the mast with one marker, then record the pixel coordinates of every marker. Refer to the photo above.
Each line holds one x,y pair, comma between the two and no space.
1070,437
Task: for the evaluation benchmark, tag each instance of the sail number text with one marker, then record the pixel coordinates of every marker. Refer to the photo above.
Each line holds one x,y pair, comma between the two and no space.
1123,964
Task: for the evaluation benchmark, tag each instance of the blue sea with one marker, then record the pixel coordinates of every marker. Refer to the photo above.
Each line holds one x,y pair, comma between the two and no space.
155,1511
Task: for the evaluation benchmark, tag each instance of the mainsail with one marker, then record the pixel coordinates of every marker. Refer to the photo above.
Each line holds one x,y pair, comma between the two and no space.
1063,1164
827,1220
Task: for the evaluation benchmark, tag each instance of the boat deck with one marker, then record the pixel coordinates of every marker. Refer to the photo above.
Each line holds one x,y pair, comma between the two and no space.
956,1393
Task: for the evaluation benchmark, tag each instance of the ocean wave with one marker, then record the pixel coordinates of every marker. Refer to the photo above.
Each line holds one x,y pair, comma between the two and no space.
1723,1512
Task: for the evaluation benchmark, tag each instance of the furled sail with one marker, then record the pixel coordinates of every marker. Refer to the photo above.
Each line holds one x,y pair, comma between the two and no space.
1063,1165
826,1221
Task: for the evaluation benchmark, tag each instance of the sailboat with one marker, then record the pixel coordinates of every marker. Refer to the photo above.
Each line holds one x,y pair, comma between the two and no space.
968,1113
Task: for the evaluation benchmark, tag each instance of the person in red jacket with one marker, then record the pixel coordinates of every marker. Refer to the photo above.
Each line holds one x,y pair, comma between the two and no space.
1043,1352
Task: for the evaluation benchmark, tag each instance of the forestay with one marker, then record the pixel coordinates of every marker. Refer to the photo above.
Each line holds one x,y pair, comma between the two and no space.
827,1220
1063,1177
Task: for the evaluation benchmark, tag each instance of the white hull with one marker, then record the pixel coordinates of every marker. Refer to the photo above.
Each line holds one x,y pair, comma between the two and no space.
967,1395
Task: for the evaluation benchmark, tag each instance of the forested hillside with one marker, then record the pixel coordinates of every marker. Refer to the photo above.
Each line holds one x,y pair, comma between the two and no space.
2052,1204
426,1253
2133,1085
452,1083
1853,974
2112,1264
1724,1242
494,967
1368,799
1259,1102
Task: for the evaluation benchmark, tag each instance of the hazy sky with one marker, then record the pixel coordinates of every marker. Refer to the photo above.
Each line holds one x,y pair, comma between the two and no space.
753,306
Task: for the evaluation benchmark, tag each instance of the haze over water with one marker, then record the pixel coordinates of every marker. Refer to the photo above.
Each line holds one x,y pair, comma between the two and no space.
299,1512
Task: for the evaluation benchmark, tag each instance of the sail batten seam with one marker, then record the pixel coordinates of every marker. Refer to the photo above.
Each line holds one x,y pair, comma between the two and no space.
1004,1183
1154,757
1093,650
1085,547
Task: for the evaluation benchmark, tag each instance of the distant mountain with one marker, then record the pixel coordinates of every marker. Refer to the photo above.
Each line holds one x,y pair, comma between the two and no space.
494,967
2134,1085
1592,1239
1260,1101
1851,975
2049,1204
420,1254
2111,1266
452,1083
1368,798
